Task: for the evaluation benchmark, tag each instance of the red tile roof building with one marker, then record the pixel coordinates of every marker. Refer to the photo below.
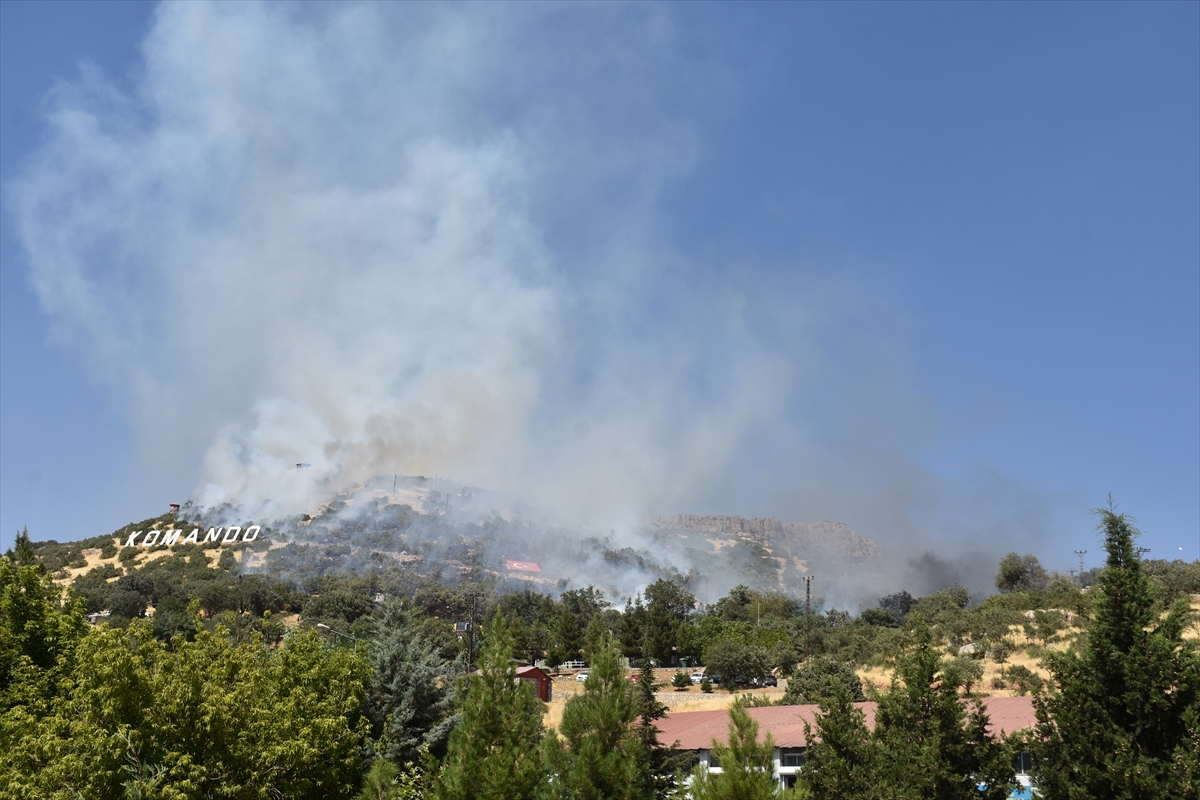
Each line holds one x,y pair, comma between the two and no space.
695,730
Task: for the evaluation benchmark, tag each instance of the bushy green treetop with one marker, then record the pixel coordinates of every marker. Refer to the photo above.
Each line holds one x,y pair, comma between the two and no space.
207,719
816,680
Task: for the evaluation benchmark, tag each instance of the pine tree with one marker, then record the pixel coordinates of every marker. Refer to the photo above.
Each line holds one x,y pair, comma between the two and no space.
841,759
22,552
931,745
1122,718
411,698
666,762
747,767
494,751
601,756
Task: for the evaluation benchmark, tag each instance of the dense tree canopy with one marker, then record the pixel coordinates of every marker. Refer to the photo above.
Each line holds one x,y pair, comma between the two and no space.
820,679
207,719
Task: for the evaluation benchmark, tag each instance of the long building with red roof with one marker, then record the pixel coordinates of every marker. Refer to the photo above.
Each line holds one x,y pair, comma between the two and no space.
696,730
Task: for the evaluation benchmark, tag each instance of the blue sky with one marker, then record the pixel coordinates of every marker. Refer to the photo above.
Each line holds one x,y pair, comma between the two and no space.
929,269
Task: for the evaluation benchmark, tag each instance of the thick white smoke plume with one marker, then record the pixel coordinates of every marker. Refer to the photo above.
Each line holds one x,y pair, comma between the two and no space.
316,235
428,239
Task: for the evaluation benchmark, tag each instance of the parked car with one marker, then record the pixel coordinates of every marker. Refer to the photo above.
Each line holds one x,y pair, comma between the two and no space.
766,680
698,677
714,678
581,677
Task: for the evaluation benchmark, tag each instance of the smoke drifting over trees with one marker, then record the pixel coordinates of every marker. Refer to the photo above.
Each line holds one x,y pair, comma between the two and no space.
376,239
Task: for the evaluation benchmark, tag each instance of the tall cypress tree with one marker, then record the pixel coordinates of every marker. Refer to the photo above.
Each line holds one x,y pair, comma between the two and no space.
494,752
1121,718
567,639
601,757
633,633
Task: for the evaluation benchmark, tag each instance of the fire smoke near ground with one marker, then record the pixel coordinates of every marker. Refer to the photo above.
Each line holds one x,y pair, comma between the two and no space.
379,239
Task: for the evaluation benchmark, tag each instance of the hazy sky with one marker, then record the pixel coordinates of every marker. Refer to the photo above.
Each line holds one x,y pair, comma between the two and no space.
932,270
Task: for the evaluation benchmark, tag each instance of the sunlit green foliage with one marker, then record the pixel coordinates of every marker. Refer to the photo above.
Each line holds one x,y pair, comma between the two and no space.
207,719
494,752
820,679
600,755
1122,718
746,764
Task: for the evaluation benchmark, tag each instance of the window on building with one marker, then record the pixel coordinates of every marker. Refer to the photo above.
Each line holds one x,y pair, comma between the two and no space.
1023,763
791,757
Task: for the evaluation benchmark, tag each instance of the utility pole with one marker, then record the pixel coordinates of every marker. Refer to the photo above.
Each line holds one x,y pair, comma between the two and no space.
471,633
1081,554
808,616
238,619
1141,551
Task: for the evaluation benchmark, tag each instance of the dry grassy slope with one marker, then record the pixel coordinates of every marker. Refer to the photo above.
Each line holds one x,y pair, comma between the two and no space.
94,560
881,677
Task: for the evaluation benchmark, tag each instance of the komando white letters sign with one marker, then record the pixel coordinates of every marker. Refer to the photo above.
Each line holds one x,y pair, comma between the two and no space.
231,535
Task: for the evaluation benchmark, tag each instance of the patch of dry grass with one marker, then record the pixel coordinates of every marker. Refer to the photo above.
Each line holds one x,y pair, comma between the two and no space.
92,555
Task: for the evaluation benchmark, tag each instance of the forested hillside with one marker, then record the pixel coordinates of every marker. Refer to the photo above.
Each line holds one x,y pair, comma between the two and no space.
246,670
